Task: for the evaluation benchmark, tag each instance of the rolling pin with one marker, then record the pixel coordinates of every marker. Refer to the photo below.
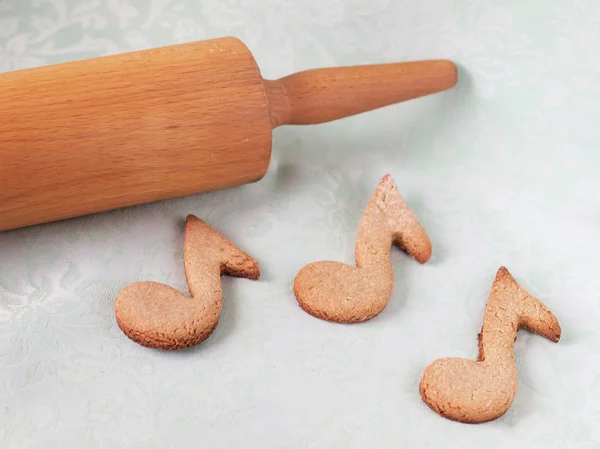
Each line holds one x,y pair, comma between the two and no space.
89,136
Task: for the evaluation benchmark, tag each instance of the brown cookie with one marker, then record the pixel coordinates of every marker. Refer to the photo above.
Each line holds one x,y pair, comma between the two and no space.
158,316
339,292
479,391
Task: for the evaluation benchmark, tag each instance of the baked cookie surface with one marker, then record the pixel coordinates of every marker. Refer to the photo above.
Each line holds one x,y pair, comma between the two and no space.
478,391
158,316
339,292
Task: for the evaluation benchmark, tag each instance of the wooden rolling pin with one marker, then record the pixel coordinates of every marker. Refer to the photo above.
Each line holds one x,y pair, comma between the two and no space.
99,134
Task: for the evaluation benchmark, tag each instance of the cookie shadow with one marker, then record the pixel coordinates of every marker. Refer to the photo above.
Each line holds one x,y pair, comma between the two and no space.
419,205
404,288
520,409
250,205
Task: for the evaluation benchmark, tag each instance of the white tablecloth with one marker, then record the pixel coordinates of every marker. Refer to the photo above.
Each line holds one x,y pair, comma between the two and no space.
501,170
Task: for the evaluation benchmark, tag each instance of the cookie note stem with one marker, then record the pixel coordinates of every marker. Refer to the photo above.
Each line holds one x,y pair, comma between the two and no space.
388,221
510,308
209,255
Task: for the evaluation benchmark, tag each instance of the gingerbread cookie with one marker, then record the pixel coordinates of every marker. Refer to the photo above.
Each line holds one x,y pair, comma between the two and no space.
479,391
342,293
158,316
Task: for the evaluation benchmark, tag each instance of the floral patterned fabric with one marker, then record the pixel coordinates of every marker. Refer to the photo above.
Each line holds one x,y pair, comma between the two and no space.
501,170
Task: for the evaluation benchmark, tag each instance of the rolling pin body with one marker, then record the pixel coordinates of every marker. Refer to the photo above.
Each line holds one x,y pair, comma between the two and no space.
90,136
94,135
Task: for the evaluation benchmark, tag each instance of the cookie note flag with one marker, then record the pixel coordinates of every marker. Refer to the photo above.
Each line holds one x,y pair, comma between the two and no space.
335,291
479,391
158,316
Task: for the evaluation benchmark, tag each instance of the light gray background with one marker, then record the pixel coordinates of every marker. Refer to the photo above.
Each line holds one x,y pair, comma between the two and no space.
502,170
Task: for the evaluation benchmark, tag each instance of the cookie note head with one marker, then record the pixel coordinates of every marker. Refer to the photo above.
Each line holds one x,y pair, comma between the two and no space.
468,391
338,292
155,315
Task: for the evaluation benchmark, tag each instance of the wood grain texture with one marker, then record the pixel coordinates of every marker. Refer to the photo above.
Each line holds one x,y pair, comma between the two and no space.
94,135
100,134
322,95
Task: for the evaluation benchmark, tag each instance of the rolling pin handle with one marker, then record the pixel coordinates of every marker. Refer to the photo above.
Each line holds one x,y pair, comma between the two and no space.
322,95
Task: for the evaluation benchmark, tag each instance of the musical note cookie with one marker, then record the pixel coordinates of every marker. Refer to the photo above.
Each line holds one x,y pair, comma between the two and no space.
158,316
478,391
338,292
